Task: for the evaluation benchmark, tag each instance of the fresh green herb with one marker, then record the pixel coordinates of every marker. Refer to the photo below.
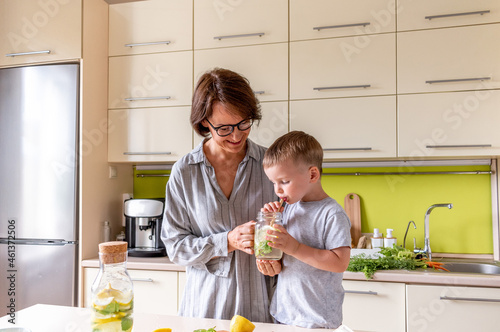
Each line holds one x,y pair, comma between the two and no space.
262,248
127,323
395,258
110,309
212,329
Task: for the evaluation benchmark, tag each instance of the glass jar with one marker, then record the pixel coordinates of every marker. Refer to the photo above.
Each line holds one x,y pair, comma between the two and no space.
112,290
265,222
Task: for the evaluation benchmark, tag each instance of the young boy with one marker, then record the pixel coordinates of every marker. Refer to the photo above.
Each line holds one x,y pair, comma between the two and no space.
315,238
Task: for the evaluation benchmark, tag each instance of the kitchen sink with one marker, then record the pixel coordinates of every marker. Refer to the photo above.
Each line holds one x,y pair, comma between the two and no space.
471,267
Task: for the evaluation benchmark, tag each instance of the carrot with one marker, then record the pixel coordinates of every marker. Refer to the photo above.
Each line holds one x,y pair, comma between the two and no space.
436,266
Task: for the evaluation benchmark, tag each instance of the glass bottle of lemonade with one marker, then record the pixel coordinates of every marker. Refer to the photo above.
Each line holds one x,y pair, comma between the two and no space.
265,222
112,290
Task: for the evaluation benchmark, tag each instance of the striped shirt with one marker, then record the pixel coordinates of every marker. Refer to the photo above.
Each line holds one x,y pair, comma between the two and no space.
196,222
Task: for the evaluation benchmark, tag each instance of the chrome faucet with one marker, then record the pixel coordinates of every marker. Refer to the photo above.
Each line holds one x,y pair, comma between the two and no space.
406,233
427,246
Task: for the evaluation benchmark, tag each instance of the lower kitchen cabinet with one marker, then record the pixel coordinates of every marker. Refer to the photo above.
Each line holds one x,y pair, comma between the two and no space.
374,306
180,287
442,308
155,292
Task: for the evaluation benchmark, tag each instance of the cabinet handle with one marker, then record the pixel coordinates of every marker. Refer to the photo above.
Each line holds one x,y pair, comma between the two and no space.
347,149
166,42
261,92
342,87
142,279
260,34
28,53
146,153
459,80
342,26
361,292
481,12
147,98
479,299
458,146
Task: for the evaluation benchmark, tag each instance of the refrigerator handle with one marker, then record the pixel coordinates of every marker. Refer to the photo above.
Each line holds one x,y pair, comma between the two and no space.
36,242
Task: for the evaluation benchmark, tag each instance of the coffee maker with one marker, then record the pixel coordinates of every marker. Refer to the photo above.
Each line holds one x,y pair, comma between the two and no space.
143,220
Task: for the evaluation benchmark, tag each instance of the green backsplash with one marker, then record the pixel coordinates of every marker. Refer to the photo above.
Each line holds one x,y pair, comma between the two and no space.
391,201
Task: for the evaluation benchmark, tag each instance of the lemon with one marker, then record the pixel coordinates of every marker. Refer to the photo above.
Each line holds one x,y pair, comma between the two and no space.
241,324
163,330
108,294
262,233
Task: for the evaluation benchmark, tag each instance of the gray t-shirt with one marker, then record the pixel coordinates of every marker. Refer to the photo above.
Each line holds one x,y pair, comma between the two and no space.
306,296
196,221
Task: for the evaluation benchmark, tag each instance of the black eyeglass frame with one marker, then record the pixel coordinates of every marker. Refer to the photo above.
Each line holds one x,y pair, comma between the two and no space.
232,127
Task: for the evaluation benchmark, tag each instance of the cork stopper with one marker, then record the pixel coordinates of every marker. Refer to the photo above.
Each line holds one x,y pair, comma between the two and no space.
113,252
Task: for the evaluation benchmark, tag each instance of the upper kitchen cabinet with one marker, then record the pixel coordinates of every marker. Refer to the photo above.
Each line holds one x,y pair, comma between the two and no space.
233,23
449,124
428,14
452,59
349,128
274,123
40,31
342,67
265,66
149,134
338,18
150,27
151,80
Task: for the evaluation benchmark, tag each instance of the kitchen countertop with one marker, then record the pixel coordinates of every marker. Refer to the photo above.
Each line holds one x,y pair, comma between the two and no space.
410,277
142,263
52,318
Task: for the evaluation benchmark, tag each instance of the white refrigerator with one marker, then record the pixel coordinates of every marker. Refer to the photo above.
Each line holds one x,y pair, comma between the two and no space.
38,185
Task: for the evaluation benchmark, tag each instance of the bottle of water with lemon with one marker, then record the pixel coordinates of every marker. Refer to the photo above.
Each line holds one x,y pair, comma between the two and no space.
112,290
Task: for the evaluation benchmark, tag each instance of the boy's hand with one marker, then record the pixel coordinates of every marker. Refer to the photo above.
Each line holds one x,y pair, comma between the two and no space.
272,207
269,267
280,239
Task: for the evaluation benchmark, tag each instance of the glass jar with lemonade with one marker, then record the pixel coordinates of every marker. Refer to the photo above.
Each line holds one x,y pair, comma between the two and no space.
112,290
265,222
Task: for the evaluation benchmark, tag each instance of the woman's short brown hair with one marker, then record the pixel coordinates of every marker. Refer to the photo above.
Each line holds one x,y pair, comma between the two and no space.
296,146
228,88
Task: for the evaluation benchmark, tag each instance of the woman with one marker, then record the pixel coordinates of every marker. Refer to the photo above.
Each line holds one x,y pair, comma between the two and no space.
211,197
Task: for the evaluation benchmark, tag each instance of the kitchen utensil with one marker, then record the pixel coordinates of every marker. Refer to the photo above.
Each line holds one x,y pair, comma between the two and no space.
353,210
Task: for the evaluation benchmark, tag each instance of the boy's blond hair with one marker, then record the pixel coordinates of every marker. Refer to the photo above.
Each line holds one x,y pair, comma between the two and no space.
296,146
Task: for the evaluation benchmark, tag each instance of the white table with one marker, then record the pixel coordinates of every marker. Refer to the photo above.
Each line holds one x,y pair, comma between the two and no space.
51,318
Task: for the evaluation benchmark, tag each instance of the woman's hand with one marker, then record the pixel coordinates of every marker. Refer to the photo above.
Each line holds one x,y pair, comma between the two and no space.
269,267
280,239
241,238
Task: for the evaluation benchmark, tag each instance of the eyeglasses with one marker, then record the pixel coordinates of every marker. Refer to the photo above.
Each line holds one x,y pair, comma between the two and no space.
226,130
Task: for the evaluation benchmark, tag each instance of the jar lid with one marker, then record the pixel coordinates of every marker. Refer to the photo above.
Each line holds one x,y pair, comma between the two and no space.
113,252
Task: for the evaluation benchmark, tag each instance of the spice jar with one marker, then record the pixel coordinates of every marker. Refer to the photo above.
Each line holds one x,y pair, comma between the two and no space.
112,290
265,222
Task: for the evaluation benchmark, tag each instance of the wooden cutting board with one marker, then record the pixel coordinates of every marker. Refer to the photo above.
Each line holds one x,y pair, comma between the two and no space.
353,209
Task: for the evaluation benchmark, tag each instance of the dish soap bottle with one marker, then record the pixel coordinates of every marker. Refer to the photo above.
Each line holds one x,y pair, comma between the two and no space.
112,290
389,240
377,239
